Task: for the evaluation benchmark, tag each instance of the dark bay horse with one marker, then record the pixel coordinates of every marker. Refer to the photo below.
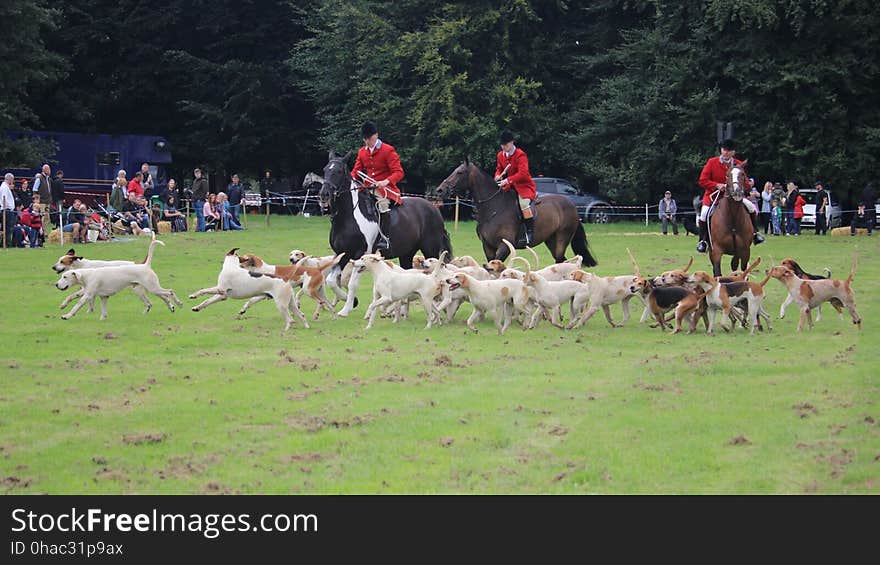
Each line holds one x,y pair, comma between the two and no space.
730,227
557,223
416,225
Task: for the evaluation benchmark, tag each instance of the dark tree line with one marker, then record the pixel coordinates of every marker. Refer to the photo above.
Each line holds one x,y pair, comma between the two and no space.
621,96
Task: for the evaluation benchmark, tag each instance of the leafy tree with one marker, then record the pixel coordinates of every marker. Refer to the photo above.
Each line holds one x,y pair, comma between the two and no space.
27,68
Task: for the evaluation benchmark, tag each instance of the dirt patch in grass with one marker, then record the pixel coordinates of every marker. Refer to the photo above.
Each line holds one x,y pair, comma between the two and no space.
110,335
12,482
673,387
739,440
447,441
805,409
558,430
838,461
310,457
145,438
317,423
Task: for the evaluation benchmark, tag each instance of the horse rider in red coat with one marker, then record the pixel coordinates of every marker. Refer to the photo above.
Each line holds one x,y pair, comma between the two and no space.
512,171
378,169
713,178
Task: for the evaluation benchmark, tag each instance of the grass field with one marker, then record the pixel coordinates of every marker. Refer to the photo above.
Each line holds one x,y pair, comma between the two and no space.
203,402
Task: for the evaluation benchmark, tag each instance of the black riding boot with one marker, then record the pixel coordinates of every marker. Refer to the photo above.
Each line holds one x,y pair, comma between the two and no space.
383,243
530,230
704,237
758,237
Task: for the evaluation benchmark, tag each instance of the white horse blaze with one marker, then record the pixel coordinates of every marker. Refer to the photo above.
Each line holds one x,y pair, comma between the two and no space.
370,231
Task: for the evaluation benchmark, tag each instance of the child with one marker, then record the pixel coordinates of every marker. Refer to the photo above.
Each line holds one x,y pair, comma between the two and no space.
776,217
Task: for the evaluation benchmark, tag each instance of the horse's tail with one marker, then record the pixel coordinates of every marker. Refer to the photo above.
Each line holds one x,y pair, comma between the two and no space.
446,245
581,247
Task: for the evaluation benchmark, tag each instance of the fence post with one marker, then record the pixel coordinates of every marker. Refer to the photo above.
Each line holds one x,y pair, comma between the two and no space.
268,205
456,213
5,233
646,214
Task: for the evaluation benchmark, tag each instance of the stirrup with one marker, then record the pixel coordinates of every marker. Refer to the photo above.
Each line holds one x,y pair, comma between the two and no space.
702,246
758,238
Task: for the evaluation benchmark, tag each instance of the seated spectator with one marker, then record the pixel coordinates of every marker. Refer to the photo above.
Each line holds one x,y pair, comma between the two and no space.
118,193
861,219
225,209
75,221
32,218
135,184
173,215
170,190
101,226
212,213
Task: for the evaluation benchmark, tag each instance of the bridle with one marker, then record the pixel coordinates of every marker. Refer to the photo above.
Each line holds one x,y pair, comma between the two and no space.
454,189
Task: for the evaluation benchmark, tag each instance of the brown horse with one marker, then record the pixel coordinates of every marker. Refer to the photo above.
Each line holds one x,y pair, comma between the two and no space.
557,223
730,227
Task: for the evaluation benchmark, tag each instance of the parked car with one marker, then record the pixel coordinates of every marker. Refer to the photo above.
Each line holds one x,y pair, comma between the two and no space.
833,212
591,208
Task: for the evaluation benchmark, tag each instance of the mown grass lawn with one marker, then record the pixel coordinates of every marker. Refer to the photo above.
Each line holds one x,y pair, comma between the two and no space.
190,402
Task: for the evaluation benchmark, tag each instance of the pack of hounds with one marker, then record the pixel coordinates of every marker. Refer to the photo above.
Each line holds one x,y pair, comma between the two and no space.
498,290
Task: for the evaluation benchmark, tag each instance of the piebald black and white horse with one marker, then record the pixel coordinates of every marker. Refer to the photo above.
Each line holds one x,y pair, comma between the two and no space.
416,225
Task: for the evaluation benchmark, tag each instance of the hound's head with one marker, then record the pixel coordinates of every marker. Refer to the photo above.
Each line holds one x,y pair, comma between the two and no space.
640,285
511,273
793,265
67,280
66,262
780,272
464,261
367,261
419,262
250,261
457,280
675,277
702,279
296,256
495,267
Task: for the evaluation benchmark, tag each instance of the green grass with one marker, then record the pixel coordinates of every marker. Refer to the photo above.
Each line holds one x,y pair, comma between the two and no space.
203,402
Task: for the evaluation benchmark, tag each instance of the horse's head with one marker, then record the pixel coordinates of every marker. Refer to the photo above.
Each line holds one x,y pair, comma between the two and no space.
456,184
737,182
336,178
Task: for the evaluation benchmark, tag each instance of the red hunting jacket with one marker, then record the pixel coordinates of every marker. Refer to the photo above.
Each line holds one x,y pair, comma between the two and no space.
714,172
382,164
518,174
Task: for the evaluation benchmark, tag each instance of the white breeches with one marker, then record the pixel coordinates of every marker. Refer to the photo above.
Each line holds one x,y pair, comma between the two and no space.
750,206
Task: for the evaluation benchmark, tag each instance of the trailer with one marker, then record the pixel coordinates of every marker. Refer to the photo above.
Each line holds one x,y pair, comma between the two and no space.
91,161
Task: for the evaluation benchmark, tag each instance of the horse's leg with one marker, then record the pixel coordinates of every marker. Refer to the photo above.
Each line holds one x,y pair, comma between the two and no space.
492,252
406,261
734,261
715,257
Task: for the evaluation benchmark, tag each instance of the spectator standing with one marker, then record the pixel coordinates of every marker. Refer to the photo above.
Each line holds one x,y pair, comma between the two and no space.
821,210
861,219
147,181
668,209
776,216
42,181
7,205
22,195
766,205
869,197
267,186
200,193
235,194
791,194
57,193
118,194
798,212
170,191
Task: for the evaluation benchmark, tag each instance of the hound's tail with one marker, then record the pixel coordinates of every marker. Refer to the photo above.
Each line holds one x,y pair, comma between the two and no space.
852,273
763,282
827,272
748,270
148,260
329,264
581,247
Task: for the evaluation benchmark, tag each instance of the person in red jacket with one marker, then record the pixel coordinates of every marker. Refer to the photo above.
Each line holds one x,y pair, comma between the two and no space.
378,169
135,186
512,171
713,178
